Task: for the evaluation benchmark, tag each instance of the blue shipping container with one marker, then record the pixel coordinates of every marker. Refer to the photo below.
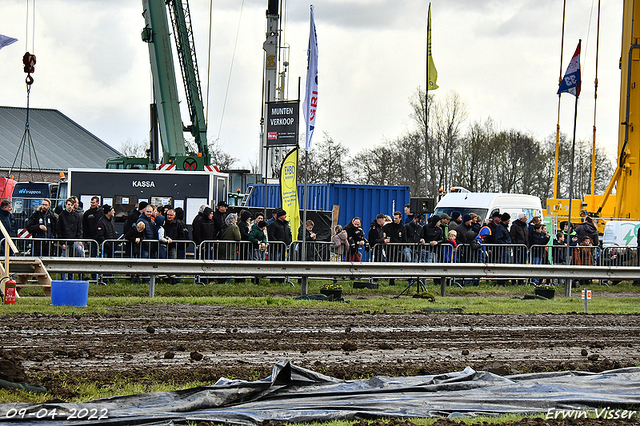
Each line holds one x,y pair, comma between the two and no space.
364,201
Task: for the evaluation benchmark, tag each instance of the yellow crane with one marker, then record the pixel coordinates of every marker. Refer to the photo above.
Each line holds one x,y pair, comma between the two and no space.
625,202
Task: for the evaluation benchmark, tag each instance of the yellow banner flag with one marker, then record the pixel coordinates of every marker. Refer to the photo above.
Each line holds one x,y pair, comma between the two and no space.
289,190
432,73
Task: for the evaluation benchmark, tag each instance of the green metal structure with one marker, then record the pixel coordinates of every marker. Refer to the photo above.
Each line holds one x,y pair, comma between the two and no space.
157,33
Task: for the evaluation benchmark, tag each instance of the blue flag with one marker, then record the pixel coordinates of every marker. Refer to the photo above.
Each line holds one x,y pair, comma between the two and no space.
5,41
571,81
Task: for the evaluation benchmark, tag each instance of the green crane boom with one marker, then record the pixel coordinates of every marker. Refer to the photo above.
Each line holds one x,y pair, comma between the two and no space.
157,33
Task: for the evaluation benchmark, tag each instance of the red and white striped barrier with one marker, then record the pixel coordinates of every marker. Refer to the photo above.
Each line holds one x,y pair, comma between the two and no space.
166,167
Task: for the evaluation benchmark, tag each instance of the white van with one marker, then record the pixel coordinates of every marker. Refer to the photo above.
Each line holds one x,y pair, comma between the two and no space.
485,203
620,233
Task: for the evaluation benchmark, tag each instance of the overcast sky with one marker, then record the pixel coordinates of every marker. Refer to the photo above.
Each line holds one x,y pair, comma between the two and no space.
501,56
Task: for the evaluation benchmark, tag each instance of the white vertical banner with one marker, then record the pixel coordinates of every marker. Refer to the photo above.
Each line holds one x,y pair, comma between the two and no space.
311,95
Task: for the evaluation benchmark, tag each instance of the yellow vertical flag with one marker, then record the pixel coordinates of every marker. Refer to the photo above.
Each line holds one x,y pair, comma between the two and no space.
289,190
432,73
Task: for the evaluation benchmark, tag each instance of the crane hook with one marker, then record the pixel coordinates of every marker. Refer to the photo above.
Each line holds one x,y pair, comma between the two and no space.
29,62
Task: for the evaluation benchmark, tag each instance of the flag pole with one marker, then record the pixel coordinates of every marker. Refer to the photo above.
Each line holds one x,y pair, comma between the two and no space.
431,84
310,106
426,106
556,181
595,104
567,284
571,82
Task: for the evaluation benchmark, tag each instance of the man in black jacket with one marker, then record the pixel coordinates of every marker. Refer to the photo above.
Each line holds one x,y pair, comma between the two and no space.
175,229
376,238
520,237
432,235
104,232
134,216
394,234
413,235
90,220
42,224
357,241
7,219
219,216
90,223
279,230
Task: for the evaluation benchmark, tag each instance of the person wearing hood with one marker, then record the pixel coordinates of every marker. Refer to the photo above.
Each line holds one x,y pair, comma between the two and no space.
588,229
244,224
432,234
339,244
463,229
196,225
230,232
258,238
456,218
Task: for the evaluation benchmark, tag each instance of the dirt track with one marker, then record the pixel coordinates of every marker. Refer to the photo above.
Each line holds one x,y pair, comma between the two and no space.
182,343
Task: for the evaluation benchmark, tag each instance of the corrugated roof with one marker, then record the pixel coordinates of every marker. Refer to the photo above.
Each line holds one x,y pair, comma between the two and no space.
60,143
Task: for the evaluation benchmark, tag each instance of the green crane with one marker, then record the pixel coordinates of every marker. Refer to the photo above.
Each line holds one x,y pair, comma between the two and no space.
166,109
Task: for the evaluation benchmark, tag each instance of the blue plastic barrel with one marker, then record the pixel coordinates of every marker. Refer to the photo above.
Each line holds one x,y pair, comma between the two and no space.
69,293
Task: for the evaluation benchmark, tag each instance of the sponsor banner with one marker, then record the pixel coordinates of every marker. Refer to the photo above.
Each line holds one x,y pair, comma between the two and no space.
282,123
289,190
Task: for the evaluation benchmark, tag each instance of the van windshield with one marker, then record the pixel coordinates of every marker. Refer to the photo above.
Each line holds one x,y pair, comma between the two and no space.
448,210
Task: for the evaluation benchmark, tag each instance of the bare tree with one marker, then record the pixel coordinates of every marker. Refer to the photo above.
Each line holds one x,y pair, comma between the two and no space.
375,166
130,148
446,120
220,158
327,161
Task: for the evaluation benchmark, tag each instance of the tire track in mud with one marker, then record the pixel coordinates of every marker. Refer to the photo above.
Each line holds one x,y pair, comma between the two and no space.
159,343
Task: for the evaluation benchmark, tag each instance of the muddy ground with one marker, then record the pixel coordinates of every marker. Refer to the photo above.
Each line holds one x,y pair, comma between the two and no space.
185,343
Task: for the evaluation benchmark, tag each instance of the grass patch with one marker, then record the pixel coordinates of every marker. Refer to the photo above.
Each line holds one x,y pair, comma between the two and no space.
483,299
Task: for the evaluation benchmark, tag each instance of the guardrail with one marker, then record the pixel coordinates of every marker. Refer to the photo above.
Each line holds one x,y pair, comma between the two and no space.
242,259
352,270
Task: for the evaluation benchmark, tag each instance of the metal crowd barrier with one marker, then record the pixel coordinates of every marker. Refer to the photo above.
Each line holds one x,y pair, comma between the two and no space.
55,247
148,249
317,251
241,250
321,251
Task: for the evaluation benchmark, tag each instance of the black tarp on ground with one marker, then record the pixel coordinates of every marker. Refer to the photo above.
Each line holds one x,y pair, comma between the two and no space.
295,394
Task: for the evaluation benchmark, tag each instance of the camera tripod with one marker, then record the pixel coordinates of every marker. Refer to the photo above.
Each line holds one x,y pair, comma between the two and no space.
420,283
